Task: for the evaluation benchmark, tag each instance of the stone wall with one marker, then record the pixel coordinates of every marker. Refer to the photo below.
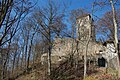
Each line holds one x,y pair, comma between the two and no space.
62,49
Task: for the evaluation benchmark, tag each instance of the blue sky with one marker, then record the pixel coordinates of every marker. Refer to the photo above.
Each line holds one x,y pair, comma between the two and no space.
76,4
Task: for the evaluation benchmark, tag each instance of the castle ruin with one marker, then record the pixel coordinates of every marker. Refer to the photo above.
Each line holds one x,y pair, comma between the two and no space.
64,47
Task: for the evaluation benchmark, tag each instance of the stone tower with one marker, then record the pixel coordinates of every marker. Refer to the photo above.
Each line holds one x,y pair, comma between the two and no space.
84,26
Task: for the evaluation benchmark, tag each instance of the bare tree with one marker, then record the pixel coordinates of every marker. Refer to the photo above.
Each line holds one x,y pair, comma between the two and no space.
115,34
105,24
12,13
73,15
33,30
49,19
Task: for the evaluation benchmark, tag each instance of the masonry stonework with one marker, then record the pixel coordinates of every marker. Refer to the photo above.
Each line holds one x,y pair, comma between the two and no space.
64,47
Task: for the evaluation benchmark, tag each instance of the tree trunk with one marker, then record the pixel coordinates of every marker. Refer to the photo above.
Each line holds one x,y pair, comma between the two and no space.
115,35
28,59
26,48
29,53
17,62
22,59
85,58
77,57
14,61
49,54
86,49
49,61
4,63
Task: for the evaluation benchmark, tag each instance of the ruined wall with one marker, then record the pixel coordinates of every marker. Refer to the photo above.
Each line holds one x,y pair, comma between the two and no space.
84,25
63,47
